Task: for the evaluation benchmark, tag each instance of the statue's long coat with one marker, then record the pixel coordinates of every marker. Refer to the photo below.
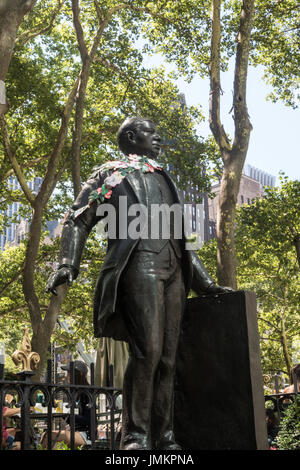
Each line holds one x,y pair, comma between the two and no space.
81,219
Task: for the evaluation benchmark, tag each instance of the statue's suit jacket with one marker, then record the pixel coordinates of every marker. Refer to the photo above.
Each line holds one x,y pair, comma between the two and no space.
82,217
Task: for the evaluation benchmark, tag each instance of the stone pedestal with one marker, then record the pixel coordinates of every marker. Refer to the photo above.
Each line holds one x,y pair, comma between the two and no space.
219,402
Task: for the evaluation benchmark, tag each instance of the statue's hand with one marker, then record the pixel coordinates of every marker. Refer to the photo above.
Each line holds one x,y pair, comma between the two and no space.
214,289
62,275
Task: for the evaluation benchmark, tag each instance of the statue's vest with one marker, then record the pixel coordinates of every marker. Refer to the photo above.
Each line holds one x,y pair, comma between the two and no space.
158,192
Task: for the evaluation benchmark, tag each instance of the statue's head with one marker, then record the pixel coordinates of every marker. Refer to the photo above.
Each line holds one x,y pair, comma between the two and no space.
139,136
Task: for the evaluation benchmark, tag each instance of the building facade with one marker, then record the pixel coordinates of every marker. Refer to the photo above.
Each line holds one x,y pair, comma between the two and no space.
252,186
18,226
265,179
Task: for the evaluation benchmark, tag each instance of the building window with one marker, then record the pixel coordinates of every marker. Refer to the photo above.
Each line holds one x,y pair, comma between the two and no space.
242,199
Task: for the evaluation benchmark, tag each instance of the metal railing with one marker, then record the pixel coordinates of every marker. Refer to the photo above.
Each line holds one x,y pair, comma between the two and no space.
279,400
26,391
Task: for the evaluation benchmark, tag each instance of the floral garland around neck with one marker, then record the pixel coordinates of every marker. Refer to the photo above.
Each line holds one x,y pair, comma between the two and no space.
121,169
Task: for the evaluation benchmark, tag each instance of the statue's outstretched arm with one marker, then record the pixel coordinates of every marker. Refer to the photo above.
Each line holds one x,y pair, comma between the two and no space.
78,223
202,282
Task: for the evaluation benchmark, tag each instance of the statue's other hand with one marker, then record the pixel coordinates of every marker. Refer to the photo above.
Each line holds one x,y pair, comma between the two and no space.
214,289
62,275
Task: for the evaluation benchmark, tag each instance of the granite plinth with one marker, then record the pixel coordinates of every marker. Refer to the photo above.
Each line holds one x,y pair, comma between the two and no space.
219,402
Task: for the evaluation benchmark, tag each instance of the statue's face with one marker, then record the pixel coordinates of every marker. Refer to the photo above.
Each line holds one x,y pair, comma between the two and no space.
145,140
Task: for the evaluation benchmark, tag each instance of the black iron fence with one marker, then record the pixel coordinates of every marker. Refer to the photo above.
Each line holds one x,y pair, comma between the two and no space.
59,406
279,401
276,404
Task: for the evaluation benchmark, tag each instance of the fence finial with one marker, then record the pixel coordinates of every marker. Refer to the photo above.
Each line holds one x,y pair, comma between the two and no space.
24,355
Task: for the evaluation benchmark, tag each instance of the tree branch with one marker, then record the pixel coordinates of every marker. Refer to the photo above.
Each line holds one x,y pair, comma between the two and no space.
243,125
215,82
12,158
12,310
40,29
29,164
114,68
59,173
11,281
80,98
37,214
47,184
98,11
296,242
270,324
11,15
79,31
23,6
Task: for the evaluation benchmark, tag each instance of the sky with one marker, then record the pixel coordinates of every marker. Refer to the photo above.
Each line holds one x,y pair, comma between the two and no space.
274,141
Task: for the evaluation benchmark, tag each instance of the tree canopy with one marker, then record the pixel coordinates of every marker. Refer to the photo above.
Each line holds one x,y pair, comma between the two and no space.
268,265
73,70
74,76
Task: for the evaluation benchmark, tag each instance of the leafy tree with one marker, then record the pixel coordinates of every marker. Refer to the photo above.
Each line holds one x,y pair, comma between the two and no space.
289,434
77,308
268,233
254,33
77,70
11,15
268,265
74,76
247,30
276,30
277,217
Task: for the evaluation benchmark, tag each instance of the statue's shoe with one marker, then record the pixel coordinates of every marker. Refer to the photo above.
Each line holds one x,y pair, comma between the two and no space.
135,441
135,446
168,445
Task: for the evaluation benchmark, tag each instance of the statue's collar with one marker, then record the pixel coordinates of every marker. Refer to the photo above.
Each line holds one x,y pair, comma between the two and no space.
121,169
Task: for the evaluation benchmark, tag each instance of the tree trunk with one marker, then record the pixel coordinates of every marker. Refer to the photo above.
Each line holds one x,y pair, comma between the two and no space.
226,255
284,344
43,330
296,242
234,154
87,58
10,10
11,15
42,327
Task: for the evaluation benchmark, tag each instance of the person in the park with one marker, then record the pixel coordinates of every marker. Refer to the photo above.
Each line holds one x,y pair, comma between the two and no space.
82,435
144,281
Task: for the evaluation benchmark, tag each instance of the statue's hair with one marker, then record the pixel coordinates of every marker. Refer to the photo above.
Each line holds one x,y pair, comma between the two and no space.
129,124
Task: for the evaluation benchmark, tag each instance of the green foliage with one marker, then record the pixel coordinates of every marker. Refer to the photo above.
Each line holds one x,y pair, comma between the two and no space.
77,308
289,435
268,265
42,72
181,32
274,220
40,77
275,45
13,311
44,67
61,445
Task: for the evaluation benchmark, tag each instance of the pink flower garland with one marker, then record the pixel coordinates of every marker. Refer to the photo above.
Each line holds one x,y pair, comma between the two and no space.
121,169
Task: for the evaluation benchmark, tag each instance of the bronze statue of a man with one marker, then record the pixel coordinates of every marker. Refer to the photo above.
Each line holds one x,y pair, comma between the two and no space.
144,281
